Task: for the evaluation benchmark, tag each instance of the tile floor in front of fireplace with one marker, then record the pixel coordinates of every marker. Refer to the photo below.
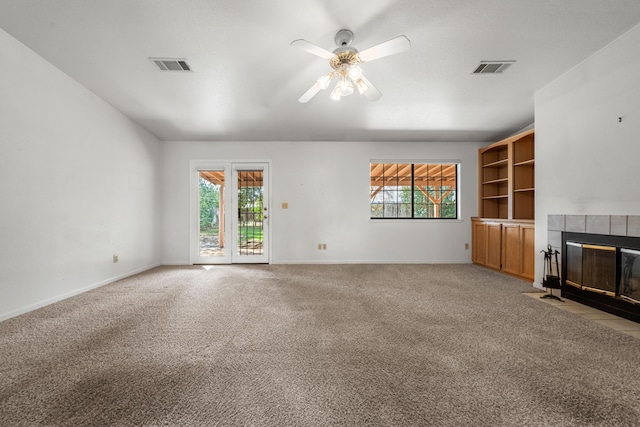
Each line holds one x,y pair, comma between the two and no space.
614,322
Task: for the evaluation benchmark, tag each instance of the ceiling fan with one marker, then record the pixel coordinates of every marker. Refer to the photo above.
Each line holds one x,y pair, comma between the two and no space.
344,60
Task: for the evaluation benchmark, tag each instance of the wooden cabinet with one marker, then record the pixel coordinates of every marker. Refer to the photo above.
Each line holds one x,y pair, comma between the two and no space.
486,243
528,245
503,237
511,248
494,245
478,242
507,246
518,246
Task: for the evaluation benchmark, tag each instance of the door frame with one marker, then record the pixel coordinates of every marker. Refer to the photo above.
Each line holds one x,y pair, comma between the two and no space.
195,166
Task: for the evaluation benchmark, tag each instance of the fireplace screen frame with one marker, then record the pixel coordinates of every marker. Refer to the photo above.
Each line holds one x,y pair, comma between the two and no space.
592,267
616,304
613,302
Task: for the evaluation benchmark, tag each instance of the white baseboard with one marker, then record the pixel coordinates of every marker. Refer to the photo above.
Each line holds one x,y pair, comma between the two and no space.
341,261
538,286
48,301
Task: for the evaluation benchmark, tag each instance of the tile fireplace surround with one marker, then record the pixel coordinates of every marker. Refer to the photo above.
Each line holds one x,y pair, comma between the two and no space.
609,225
613,230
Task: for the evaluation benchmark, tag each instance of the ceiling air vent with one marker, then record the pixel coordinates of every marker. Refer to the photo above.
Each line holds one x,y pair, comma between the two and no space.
171,64
492,67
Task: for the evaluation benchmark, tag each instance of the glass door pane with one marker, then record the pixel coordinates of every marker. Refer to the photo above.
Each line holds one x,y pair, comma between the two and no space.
250,209
250,217
211,209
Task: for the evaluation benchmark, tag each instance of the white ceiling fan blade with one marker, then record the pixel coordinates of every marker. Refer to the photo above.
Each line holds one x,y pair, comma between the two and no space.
372,93
390,47
306,97
312,48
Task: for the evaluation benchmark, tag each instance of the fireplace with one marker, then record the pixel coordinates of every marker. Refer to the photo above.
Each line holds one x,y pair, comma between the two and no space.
602,271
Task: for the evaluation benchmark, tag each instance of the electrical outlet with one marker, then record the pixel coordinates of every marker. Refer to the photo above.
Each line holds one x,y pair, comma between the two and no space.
466,246
319,246
324,246
285,205
115,258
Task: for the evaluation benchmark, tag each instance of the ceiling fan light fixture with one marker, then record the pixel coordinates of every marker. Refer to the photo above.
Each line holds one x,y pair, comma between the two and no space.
354,72
344,87
325,80
362,86
335,94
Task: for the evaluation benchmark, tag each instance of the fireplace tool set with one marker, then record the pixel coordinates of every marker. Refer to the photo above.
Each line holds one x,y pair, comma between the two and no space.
551,281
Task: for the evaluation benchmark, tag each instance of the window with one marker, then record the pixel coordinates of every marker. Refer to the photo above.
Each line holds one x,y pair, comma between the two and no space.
414,190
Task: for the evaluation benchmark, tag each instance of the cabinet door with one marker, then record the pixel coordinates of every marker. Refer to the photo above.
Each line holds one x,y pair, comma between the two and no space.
528,243
494,243
511,249
479,242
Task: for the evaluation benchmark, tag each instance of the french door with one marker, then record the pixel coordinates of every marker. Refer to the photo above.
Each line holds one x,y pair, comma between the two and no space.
229,213
250,208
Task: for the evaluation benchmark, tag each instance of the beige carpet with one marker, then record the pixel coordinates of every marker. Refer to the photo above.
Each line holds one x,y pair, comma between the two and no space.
320,345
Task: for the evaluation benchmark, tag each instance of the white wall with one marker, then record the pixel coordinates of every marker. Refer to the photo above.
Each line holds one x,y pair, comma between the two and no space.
78,183
326,185
587,161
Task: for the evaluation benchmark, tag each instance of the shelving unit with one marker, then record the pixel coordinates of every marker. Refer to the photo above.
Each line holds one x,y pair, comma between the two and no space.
503,235
494,178
524,177
507,178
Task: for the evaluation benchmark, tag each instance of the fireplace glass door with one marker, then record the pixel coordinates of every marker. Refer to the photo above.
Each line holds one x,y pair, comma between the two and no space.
630,275
574,264
591,267
599,269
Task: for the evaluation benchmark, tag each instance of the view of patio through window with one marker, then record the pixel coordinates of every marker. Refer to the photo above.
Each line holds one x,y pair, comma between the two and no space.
413,190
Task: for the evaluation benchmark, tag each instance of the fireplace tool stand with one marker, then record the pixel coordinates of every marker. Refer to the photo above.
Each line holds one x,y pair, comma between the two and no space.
549,280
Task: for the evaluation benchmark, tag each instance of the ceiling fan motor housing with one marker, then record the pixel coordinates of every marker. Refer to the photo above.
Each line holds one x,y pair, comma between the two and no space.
344,57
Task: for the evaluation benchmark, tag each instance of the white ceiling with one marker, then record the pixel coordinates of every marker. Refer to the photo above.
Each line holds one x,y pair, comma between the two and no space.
246,77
